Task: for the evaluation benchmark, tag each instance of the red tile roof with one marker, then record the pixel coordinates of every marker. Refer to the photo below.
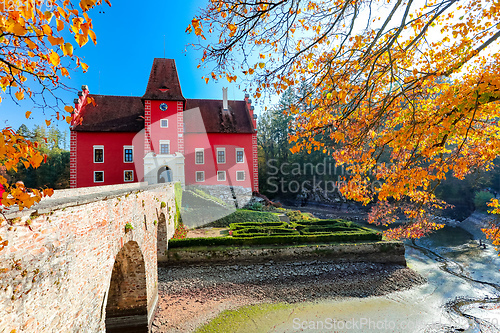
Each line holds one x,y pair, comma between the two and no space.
126,114
163,83
113,114
214,119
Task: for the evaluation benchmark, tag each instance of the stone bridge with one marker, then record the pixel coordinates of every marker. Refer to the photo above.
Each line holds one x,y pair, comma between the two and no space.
85,260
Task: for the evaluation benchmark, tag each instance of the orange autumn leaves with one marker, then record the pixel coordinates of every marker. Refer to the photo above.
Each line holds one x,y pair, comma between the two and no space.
34,45
15,149
410,91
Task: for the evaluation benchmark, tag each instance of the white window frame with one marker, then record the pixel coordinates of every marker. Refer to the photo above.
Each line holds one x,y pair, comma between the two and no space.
236,154
221,173
197,150
93,153
244,175
161,122
217,155
102,177
125,179
164,142
196,176
128,147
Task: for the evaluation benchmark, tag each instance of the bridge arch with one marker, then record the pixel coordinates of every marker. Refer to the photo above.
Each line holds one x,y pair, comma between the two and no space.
127,301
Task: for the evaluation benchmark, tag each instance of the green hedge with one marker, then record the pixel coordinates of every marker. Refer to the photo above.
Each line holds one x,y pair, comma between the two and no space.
266,231
310,230
244,225
178,203
336,222
244,215
354,236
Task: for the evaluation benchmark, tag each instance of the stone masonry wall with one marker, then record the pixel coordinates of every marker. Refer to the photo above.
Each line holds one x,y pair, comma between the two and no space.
230,194
55,271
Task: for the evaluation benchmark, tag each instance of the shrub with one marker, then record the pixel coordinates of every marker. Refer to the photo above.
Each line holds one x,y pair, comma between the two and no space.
178,204
128,227
333,222
481,199
180,232
294,215
243,215
270,231
256,206
243,225
323,229
353,236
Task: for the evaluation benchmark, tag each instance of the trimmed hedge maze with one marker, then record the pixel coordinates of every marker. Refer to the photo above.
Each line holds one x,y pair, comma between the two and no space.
283,233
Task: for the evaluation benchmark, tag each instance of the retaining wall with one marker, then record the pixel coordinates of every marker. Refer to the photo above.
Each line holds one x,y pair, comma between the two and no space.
380,252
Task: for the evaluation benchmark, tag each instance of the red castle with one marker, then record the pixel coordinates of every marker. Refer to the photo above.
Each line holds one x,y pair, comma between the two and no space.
162,137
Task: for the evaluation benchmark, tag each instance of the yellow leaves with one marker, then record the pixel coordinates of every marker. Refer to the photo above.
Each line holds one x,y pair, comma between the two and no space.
36,160
54,58
68,119
250,71
64,71
206,80
91,100
261,65
232,29
198,29
47,122
20,95
231,78
85,67
262,56
86,4
30,44
68,108
48,15
47,30
294,149
18,29
67,49
93,36
60,25
55,41
48,192
28,114
75,27
81,39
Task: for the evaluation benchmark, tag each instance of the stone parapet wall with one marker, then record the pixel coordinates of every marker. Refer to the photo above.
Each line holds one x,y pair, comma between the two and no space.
55,271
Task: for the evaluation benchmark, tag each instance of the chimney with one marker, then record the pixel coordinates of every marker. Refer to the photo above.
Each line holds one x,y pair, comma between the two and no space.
80,103
224,99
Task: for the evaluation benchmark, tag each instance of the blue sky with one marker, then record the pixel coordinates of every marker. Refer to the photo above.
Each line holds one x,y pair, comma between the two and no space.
129,36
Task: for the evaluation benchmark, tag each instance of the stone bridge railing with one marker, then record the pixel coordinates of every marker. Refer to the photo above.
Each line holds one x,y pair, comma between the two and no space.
85,260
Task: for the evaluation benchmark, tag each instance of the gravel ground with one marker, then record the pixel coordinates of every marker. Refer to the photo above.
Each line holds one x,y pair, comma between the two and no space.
193,295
